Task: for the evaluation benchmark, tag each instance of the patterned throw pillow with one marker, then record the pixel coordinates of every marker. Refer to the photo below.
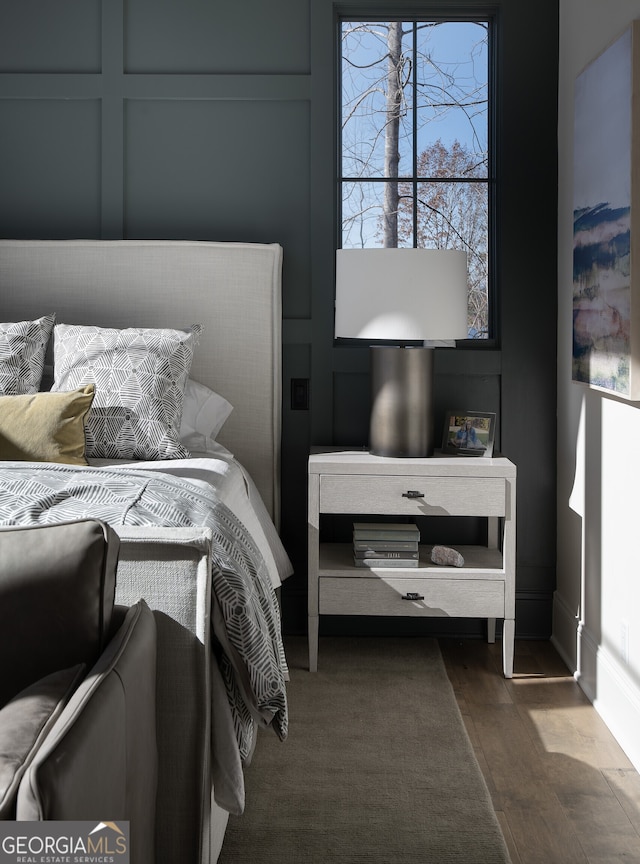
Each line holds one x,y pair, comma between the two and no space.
22,349
140,377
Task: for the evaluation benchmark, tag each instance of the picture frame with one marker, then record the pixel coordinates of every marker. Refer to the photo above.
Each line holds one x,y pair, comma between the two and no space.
606,197
469,433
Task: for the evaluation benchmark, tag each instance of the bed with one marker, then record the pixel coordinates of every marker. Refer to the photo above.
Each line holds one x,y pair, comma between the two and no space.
196,505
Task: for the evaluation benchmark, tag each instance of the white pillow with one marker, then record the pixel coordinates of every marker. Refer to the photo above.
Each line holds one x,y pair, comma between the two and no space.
22,349
204,413
140,375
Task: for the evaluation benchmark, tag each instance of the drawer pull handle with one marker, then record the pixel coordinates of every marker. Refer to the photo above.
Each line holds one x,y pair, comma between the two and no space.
412,595
413,493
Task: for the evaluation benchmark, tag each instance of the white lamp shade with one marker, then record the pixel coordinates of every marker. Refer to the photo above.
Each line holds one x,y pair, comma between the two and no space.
401,294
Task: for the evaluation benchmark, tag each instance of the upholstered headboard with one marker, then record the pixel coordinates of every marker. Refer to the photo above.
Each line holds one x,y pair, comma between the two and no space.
232,289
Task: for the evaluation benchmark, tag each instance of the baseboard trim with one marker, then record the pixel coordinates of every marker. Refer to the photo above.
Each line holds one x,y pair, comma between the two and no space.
602,676
564,632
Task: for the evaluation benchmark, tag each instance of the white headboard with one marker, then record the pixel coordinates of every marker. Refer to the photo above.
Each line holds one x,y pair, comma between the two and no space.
232,289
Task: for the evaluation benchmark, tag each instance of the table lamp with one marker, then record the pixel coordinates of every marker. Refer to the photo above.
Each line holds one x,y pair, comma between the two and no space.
399,296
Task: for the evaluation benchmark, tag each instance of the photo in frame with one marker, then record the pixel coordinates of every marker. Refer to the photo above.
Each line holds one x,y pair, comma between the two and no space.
469,433
606,289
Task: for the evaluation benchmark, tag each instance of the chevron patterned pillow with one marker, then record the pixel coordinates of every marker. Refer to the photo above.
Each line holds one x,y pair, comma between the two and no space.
140,377
22,348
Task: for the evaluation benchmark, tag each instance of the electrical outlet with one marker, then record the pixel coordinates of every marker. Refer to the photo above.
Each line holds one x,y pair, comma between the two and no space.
624,640
299,394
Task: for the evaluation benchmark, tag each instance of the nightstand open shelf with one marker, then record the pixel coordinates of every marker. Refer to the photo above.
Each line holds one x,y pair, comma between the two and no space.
480,562
355,482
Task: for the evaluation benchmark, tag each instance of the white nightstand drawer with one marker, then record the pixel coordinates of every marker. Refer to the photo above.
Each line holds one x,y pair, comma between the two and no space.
384,596
412,495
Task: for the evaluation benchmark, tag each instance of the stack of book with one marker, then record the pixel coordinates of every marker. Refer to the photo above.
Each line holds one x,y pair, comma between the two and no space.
385,544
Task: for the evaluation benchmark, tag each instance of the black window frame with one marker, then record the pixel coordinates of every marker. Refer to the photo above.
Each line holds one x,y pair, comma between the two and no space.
382,12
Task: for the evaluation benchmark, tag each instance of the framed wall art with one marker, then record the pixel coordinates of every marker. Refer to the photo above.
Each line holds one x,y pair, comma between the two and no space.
469,433
606,272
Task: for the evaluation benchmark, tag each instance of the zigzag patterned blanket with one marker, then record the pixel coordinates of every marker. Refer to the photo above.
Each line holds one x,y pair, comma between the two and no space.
35,493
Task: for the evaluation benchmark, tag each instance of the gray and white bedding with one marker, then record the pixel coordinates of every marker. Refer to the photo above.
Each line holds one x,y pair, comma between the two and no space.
248,563
235,487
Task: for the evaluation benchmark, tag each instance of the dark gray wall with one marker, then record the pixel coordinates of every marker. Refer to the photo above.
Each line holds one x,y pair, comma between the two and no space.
215,121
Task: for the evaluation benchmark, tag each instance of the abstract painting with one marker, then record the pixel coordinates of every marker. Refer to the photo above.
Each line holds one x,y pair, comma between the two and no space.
604,271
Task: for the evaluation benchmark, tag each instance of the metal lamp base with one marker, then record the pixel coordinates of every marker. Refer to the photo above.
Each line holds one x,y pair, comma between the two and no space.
401,402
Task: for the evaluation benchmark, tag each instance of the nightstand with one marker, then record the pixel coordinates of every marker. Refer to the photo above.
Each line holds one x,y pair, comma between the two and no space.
361,484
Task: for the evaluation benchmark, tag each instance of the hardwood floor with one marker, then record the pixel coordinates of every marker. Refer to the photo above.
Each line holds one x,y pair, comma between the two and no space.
563,789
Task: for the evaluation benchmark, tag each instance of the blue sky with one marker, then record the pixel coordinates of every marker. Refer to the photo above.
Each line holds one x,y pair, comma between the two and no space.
457,67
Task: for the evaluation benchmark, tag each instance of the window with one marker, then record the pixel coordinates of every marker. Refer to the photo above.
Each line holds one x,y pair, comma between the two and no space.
414,142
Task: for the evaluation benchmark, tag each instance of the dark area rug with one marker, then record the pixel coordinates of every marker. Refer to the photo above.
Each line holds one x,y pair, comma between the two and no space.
377,767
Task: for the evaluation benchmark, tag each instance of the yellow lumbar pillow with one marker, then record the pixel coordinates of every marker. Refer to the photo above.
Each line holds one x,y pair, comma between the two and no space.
45,427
